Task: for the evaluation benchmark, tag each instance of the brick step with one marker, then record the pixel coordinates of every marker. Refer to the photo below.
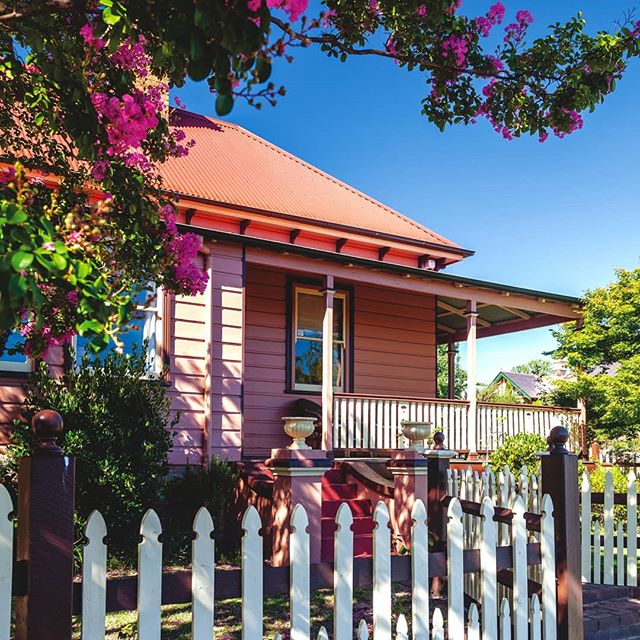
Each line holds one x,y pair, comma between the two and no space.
333,476
362,546
339,491
358,507
616,619
362,525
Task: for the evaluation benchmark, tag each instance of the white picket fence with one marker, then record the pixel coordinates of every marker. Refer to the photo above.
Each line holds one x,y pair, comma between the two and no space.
609,552
517,616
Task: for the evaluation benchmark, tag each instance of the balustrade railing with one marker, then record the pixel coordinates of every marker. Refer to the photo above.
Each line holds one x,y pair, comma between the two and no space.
366,422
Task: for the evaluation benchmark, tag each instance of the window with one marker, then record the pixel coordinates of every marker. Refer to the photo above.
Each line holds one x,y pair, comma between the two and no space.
308,313
16,362
145,325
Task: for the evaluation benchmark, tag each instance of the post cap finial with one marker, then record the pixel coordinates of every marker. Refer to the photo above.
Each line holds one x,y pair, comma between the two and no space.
438,440
47,427
558,438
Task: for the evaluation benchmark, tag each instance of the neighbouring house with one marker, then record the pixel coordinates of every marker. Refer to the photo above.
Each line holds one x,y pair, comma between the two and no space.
527,386
321,300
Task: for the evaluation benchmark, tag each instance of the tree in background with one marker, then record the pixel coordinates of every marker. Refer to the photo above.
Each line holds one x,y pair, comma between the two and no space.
460,375
538,367
604,352
82,88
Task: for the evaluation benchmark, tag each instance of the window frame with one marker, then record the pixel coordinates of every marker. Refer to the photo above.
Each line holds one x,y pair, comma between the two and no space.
8,367
343,293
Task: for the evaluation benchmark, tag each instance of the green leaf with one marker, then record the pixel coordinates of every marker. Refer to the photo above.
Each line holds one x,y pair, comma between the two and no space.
59,261
224,104
201,17
82,270
18,217
108,17
21,260
199,69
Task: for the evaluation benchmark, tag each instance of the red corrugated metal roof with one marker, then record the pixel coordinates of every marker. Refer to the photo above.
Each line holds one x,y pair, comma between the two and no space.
233,166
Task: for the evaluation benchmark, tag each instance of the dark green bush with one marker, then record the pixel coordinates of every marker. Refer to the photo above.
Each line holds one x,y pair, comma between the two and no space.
518,451
210,486
117,424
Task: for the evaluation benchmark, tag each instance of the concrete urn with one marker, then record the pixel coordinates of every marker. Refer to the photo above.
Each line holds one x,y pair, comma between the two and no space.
298,429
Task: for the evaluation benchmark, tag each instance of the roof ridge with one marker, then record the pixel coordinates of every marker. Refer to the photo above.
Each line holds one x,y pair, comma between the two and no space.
324,174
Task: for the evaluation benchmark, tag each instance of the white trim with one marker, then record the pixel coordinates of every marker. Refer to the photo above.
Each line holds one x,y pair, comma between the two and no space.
8,366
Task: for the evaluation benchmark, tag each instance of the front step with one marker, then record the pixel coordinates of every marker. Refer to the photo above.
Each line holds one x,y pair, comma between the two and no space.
612,620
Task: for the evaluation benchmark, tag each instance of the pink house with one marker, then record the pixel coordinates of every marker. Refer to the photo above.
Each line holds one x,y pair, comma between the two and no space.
317,293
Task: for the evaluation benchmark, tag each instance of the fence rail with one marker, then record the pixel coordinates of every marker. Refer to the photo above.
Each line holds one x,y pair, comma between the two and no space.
374,422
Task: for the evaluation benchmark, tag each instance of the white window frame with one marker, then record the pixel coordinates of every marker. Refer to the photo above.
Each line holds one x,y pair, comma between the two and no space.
342,295
16,367
154,354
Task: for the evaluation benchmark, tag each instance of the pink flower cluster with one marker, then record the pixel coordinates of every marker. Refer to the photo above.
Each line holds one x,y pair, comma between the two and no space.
516,29
294,8
132,57
497,64
90,39
575,123
458,46
127,122
494,16
422,11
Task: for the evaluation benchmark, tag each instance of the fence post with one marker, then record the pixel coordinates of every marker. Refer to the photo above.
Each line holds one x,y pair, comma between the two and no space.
560,481
45,535
437,482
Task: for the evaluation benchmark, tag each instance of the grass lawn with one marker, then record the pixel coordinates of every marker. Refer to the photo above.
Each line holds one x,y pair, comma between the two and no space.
176,619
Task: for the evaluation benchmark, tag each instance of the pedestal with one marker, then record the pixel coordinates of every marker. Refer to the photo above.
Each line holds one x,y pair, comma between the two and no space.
297,480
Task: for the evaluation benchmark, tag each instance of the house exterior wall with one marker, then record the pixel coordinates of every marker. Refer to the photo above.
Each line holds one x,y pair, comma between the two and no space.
393,346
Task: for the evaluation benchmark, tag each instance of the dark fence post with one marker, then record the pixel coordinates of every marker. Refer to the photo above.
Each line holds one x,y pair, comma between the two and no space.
45,535
437,488
560,481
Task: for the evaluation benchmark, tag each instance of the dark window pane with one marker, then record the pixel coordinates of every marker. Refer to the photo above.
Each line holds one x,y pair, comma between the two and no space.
338,319
338,366
308,362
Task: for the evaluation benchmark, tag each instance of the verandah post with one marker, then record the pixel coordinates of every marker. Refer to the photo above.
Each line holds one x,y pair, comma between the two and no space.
327,365
472,394
46,485
560,482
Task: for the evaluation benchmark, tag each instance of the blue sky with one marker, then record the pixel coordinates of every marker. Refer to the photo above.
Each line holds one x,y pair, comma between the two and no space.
558,216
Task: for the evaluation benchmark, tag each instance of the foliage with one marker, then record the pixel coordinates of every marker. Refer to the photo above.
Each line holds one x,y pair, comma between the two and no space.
537,367
82,88
518,451
116,414
605,354
210,486
460,375
598,477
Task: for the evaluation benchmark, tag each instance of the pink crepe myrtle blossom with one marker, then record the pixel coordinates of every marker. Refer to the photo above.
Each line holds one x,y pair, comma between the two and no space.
496,63
132,57
90,39
179,103
494,16
575,122
189,277
390,46
49,246
422,11
543,136
7,176
516,29
293,8
458,47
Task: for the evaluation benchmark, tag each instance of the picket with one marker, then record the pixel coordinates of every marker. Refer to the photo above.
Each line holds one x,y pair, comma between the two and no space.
505,620
149,577
300,587
473,628
343,574
202,576
597,573
455,604
620,559
585,526
548,564
519,547
252,584
534,609
6,562
419,572
402,629
437,626
608,528
94,578
632,530
381,573
489,580
363,631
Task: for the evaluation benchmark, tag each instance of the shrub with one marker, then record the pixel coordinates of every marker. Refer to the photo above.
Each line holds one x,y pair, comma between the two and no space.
210,486
518,451
117,425
597,478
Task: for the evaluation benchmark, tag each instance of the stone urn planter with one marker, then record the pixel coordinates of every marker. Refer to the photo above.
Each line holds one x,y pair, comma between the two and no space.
298,429
416,433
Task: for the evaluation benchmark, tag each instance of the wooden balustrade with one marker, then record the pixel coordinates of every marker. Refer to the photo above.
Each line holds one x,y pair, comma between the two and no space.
367,422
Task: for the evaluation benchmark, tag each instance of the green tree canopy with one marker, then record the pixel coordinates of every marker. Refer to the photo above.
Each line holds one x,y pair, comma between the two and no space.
604,351
537,367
